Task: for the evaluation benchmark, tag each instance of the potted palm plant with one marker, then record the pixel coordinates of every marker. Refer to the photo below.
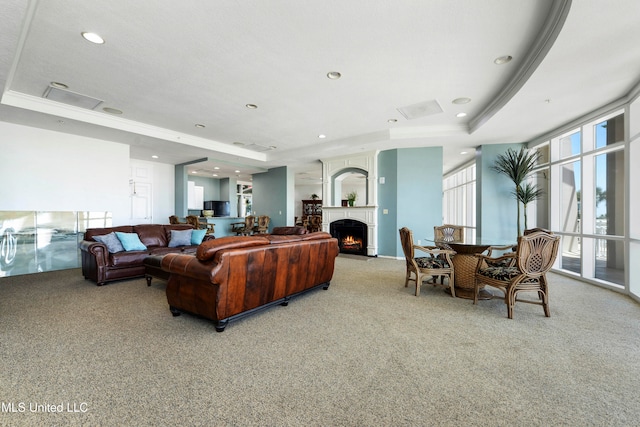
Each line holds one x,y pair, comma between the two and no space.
517,165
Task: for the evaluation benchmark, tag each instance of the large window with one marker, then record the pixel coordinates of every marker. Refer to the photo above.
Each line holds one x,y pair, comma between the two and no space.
587,198
459,199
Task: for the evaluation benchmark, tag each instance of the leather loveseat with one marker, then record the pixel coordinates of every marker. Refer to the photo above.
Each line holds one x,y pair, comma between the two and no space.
230,277
102,266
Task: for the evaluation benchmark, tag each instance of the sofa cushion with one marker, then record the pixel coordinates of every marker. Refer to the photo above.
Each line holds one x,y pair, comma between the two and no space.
180,238
111,241
284,230
318,235
130,241
191,250
283,238
197,236
128,259
208,249
152,234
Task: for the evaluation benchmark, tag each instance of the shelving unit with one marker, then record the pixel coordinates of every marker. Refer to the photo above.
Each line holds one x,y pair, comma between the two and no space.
312,207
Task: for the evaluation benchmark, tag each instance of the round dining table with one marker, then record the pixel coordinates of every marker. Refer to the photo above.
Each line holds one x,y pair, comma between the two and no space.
465,263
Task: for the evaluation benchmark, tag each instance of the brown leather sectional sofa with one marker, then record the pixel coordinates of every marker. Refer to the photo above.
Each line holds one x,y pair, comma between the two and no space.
101,266
230,277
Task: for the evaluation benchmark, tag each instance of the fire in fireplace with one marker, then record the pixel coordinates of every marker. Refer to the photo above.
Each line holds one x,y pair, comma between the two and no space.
351,235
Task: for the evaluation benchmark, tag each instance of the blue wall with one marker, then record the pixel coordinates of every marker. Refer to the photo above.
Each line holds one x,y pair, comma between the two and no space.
496,208
273,194
412,193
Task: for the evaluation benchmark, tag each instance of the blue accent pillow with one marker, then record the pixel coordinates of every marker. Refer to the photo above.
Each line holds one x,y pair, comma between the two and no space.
197,236
111,241
180,238
130,241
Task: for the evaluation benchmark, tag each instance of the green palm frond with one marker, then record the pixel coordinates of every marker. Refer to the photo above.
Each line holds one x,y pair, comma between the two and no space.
528,193
516,164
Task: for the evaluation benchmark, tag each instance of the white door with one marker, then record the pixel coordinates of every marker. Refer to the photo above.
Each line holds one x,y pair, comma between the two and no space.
141,203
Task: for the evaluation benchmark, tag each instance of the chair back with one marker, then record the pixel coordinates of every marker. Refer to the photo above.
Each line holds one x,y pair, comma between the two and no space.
263,221
194,221
448,233
537,252
173,219
248,221
533,230
406,240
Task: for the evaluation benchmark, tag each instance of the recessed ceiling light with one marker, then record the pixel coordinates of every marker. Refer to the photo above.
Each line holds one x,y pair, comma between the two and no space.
322,136
215,174
251,106
237,171
111,110
216,167
92,37
194,172
502,59
200,126
334,75
58,85
460,101
154,157
392,120
463,152
461,115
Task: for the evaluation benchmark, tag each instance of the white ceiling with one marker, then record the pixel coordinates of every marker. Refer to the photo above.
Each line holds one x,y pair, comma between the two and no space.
170,65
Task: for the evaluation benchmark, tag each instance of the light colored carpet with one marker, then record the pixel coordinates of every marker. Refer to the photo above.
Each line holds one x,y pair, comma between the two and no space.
366,352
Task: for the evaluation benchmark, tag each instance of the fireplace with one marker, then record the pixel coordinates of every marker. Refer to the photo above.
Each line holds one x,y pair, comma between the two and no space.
351,235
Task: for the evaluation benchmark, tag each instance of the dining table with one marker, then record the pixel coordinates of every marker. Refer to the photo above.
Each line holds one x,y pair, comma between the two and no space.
465,262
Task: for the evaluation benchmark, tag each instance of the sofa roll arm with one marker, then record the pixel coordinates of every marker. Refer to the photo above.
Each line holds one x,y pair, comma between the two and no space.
97,249
189,266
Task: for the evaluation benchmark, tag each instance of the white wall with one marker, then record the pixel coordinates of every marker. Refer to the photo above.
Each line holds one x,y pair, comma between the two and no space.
304,192
46,170
162,179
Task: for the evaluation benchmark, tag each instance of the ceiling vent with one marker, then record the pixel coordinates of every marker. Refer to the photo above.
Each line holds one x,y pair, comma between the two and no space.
71,98
259,148
421,109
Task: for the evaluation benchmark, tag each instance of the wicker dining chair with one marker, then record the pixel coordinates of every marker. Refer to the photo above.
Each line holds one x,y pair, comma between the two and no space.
243,228
535,254
436,263
173,219
262,225
448,233
195,222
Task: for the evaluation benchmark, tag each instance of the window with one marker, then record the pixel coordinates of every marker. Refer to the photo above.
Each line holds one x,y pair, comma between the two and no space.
459,199
587,198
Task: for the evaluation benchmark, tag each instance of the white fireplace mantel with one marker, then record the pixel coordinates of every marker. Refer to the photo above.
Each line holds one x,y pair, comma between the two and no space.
365,162
365,214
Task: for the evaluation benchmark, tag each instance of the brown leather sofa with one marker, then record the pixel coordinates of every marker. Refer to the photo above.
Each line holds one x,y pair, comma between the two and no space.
233,276
101,266
292,229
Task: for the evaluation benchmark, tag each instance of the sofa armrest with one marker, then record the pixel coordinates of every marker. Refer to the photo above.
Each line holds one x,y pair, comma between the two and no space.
189,266
97,249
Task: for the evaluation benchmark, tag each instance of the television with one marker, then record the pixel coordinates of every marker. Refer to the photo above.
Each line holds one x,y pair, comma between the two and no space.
219,207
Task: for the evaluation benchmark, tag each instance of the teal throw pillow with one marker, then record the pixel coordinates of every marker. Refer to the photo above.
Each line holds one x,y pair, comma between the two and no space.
197,236
130,241
111,241
180,238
